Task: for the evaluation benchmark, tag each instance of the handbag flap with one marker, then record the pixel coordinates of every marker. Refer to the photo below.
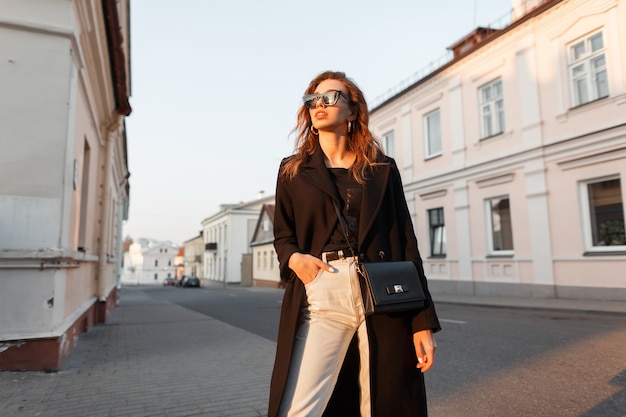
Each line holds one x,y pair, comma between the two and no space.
394,282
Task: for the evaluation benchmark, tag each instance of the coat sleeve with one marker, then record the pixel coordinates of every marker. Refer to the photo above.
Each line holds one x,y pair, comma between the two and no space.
426,318
285,241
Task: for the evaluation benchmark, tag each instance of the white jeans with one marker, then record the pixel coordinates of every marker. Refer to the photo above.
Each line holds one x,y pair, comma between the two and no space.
332,313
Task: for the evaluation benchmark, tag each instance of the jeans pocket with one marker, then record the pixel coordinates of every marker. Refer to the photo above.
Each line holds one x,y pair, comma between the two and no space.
319,272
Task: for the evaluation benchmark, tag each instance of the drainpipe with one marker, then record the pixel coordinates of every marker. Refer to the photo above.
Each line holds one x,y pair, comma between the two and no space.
105,226
120,219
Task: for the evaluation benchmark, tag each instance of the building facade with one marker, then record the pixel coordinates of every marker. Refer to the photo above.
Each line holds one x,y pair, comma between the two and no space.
265,270
513,155
227,235
149,262
194,257
64,189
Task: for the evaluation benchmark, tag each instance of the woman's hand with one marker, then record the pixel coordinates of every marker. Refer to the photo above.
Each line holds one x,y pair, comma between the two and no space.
307,266
425,345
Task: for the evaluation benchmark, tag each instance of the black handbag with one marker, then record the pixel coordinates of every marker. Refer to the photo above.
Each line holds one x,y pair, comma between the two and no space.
387,287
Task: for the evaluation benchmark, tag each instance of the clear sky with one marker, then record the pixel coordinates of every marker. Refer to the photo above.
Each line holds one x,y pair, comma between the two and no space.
215,87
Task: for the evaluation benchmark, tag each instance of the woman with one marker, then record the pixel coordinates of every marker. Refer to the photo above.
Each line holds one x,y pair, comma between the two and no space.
331,360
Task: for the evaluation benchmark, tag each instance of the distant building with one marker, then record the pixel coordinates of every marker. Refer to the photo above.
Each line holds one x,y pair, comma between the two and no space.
64,193
194,257
265,271
227,235
149,262
179,262
512,155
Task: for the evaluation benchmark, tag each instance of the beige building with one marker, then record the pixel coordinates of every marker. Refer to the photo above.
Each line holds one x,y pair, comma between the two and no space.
265,269
64,189
194,256
513,155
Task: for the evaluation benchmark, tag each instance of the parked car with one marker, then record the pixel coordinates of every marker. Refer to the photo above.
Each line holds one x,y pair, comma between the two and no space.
169,282
191,282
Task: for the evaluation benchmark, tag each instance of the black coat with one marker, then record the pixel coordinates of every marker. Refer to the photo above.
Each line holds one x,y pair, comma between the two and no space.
304,219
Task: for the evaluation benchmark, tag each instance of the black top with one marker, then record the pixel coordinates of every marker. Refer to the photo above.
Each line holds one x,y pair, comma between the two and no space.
350,196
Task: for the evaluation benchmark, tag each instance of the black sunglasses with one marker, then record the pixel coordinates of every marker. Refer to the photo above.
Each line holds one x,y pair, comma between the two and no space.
329,98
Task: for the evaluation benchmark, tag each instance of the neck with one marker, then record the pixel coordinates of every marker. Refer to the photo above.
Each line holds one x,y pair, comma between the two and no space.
336,155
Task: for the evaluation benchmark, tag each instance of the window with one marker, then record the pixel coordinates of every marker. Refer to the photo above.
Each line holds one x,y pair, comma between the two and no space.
156,262
603,211
491,107
587,70
437,229
432,133
389,144
84,198
500,230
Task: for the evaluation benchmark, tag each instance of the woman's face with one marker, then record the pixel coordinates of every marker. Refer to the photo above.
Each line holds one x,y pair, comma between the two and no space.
332,118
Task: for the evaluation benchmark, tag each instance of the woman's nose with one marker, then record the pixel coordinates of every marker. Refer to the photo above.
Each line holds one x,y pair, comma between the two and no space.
320,102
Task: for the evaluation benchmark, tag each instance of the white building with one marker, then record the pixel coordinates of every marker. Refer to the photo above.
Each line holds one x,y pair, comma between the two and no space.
64,82
512,155
149,262
227,235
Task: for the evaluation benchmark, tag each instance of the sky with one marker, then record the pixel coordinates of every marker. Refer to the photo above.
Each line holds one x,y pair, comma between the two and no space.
216,86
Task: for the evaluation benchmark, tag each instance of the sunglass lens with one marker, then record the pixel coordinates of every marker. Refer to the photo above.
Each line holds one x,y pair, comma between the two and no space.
330,98
310,101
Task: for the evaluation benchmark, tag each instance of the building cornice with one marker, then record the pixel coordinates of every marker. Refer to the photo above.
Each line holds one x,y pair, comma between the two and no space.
115,41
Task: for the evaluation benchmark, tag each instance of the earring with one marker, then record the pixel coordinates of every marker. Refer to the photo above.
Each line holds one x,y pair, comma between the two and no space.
314,130
349,126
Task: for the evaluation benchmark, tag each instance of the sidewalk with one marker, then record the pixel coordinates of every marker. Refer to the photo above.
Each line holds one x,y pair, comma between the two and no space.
586,306
152,359
157,359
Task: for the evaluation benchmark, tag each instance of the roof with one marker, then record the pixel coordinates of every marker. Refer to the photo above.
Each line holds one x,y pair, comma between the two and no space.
261,236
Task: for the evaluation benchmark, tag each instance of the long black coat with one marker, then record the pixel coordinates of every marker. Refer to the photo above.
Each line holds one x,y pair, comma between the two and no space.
304,219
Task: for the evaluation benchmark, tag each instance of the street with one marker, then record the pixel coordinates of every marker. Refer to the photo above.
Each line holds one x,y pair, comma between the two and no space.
208,352
490,361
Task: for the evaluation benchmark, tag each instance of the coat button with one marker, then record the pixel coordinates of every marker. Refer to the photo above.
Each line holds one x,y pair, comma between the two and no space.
381,255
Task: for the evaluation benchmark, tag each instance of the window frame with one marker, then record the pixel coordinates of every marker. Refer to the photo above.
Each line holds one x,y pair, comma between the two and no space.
585,213
489,227
432,229
388,139
427,139
496,110
589,75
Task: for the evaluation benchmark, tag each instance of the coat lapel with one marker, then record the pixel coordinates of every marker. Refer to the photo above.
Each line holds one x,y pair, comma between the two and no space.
316,171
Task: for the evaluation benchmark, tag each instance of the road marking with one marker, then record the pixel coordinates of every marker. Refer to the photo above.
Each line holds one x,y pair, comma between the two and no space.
453,321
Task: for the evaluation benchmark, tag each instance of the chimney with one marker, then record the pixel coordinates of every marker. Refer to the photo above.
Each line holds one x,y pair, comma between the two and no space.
261,194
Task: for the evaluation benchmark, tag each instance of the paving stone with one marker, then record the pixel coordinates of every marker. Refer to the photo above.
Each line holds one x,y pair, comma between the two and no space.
152,359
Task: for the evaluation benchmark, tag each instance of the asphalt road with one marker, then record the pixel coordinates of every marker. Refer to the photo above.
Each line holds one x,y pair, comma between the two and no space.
490,361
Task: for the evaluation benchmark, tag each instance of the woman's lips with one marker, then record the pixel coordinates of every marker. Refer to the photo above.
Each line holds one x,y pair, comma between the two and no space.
320,114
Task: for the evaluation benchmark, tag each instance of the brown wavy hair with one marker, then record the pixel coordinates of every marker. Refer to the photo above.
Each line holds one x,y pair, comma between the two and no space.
360,140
